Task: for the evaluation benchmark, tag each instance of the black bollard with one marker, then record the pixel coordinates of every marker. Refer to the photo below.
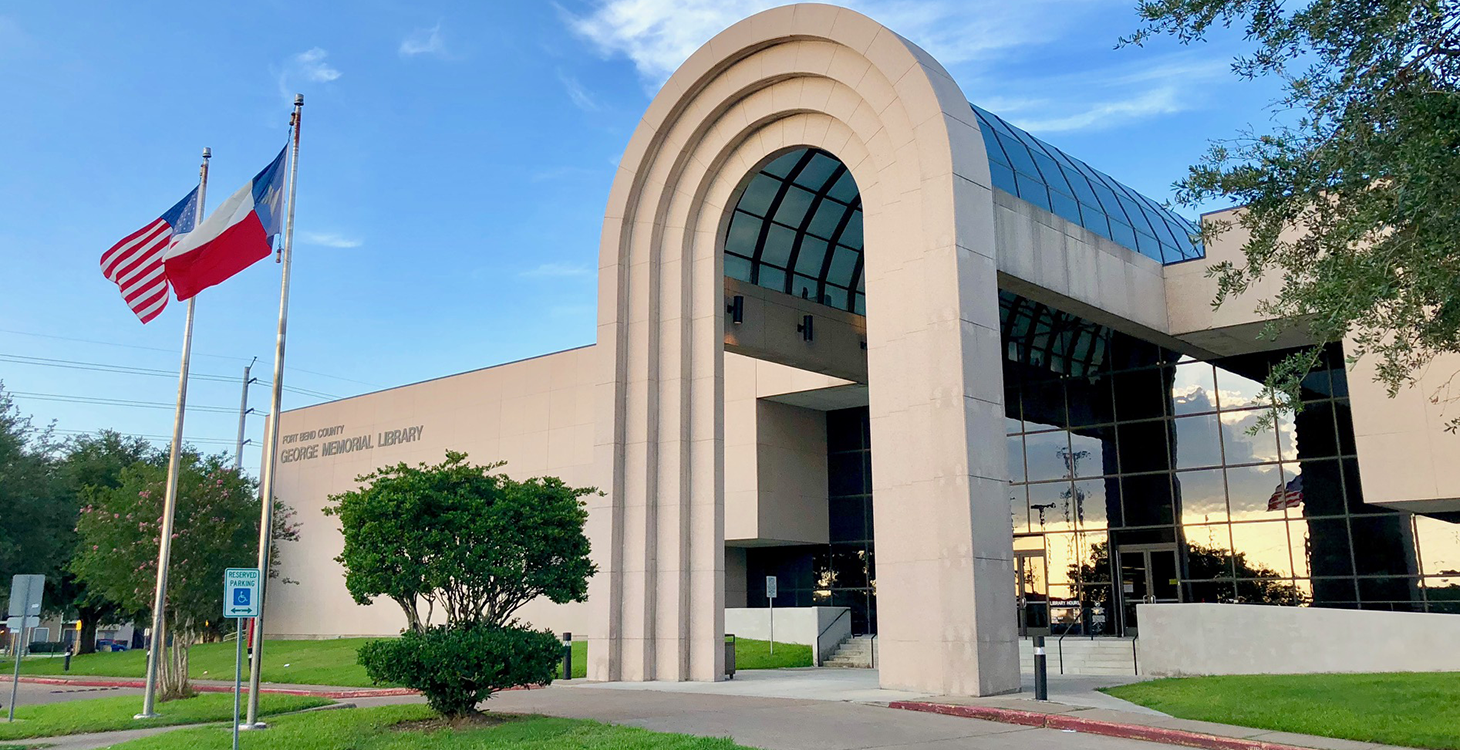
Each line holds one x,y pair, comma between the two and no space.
66,667
567,656
1041,676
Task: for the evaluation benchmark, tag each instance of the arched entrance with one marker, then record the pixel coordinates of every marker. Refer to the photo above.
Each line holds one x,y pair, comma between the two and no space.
805,77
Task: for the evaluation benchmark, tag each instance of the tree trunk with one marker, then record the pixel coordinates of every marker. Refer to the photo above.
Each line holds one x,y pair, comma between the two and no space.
90,618
173,667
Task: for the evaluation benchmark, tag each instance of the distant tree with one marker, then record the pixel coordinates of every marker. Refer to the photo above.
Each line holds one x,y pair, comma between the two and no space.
1255,583
34,526
215,527
476,546
91,463
1363,157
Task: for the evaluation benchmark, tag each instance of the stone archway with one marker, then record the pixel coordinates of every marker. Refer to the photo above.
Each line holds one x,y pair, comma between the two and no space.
829,78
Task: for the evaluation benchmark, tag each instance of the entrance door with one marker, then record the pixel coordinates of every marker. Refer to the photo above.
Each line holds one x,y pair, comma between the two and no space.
1032,588
1147,576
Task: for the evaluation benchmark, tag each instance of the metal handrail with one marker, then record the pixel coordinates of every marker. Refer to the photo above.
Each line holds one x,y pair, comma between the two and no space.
845,611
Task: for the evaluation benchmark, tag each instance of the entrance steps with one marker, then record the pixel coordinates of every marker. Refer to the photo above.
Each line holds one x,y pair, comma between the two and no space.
857,652
1082,655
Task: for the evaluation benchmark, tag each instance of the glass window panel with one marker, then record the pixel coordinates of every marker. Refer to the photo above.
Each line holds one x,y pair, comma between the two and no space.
1194,389
1088,453
1064,206
1322,485
1248,490
1327,549
778,243
1015,446
1210,592
1240,444
1383,545
782,165
852,234
1141,446
1262,550
1439,546
834,296
811,257
844,474
1343,416
737,267
1238,391
1090,401
1044,402
1032,190
843,263
1121,232
1146,500
1012,421
845,189
804,287
859,305
1353,491
1045,453
772,278
1061,551
1321,425
1208,551
1140,394
815,174
1390,590
1093,558
1197,441
758,195
1092,509
1202,496
1018,155
1003,178
828,217
1051,507
794,206
1095,220
848,519
1019,507
1147,245
744,234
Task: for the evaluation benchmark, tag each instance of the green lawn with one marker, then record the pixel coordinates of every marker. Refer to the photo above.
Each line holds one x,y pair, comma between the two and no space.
1417,710
333,662
371,729
110,714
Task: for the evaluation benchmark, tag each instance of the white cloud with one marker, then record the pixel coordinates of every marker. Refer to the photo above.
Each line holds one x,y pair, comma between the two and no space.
1161,101
330,239
423,42
307,66
580,96
658,35
557,270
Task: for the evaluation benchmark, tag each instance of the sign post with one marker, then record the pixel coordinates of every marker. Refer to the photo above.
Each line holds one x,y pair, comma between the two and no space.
25,612
770,595
240,602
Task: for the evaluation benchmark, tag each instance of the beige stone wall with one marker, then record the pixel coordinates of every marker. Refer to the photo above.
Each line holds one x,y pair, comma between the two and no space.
1406,458
536,414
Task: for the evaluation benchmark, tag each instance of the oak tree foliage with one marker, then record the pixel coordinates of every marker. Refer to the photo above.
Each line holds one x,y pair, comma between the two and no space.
1362,158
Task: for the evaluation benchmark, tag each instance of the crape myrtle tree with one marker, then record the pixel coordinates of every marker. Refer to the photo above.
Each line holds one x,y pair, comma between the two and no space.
471,546
215,527
33,524
1363,158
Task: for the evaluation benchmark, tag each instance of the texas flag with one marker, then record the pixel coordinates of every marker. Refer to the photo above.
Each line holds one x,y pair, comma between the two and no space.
235,236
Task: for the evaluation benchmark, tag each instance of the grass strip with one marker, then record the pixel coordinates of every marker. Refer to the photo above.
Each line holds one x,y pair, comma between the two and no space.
115,713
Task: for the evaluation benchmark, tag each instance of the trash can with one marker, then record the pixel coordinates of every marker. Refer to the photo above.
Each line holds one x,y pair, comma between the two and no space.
730,655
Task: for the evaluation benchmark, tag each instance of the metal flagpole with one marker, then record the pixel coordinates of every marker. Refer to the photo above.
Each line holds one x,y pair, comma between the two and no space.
242,417
271,436
169,503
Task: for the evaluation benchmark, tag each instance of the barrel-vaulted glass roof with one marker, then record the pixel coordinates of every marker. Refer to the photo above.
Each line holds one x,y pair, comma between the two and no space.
1028,168
798,226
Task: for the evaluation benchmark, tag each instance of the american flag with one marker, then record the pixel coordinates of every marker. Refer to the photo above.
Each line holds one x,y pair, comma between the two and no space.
1290,496
135,263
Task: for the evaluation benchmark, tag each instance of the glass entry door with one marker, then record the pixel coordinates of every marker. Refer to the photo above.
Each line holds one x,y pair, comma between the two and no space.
1032,588
1147,576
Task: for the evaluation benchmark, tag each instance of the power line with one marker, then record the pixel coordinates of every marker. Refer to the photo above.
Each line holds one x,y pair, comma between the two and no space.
171,351
120,402
70,364
159,438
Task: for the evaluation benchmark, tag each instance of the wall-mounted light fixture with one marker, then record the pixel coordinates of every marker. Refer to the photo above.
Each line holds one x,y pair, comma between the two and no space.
805,328
736,308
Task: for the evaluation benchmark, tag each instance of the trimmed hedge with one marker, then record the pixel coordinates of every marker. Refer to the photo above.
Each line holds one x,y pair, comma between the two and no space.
458,667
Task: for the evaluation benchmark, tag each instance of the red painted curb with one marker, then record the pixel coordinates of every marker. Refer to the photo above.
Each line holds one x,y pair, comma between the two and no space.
1094,726
336,694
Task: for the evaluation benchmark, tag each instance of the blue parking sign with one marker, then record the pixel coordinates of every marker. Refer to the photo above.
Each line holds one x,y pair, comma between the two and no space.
241,592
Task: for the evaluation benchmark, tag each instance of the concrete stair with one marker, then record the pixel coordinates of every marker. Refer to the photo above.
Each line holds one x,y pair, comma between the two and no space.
1081,655
858,652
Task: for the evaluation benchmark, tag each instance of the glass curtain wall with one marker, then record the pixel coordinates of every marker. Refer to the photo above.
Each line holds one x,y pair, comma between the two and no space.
1141,475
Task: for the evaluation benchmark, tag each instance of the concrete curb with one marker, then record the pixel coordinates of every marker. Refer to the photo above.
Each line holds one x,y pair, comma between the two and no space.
1094,726
202,688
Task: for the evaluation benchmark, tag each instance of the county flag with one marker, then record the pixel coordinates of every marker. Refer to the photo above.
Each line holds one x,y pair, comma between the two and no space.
233,238
135,263
1290,496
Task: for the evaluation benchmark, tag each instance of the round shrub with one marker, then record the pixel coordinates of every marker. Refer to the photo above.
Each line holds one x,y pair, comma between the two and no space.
457,667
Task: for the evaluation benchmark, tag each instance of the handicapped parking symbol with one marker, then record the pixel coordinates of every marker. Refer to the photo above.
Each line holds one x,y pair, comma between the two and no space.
241,597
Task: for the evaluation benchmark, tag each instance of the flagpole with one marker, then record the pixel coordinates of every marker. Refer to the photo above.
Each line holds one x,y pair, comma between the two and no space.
169,502
271,438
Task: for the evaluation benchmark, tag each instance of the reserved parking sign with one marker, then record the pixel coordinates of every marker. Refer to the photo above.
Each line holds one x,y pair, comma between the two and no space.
241,592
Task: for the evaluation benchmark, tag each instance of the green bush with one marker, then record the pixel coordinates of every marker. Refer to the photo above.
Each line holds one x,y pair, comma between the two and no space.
457,667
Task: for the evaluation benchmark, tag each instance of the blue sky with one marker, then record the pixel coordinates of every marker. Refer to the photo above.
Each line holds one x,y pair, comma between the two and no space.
455,164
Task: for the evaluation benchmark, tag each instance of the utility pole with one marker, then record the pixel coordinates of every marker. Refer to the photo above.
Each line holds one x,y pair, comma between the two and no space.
243,415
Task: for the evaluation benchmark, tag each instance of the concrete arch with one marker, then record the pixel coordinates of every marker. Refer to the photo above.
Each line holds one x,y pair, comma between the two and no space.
805,75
